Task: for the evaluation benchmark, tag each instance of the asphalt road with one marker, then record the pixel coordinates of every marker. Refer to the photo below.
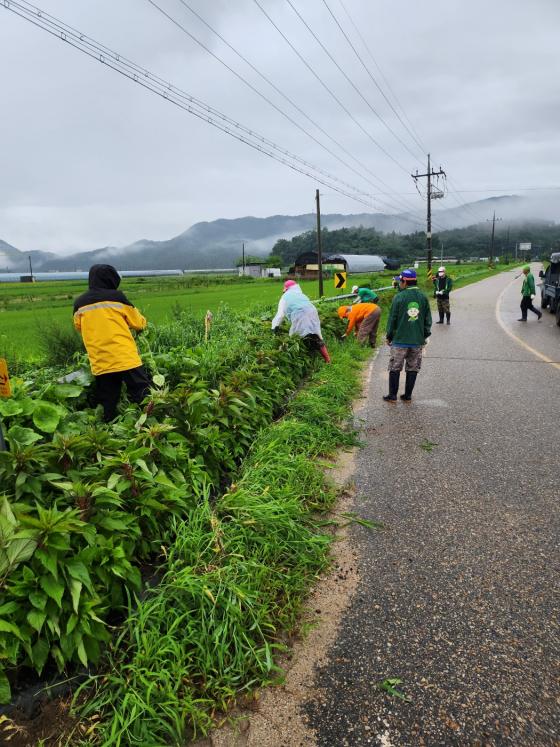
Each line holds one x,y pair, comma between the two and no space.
458,595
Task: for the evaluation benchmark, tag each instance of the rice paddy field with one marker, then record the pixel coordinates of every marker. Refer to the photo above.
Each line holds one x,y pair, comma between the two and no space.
26,308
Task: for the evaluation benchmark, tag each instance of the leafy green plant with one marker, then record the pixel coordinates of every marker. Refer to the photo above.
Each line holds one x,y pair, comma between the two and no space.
428,445
235,575
86,506
390,685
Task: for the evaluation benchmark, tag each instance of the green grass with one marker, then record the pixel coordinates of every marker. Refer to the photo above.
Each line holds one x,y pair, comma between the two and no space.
24,308
21,314
235,579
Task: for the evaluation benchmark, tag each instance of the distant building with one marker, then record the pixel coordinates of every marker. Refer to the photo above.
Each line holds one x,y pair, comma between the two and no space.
259,270
306,265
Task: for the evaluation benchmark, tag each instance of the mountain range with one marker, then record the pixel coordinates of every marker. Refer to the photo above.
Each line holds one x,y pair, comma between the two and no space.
217,244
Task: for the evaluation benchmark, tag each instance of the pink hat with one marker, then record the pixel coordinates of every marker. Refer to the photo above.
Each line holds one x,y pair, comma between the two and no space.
289,284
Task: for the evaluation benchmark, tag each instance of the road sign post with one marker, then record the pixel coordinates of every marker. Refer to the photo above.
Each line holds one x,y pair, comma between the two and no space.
5,391
339,280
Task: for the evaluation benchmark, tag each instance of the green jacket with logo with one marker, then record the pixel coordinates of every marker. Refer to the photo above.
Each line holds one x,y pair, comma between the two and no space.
410,318
528,287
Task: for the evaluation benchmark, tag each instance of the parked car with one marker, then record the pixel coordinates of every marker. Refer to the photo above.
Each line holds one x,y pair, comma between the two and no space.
550,287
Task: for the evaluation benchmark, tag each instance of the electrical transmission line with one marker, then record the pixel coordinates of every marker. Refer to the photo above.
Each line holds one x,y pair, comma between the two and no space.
374,81
329,90
380,71
350,81
248,83
281,93
360,173
176,96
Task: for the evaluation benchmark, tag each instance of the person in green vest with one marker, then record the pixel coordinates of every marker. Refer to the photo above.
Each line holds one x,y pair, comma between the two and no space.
408,328
528,292
442,289
364,295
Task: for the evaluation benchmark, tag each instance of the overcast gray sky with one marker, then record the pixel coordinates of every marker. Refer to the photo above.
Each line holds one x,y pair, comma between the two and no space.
88,158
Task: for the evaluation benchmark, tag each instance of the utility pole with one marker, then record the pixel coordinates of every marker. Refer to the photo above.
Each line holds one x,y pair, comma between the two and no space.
30,267
243,258
494,219
319,246
431,194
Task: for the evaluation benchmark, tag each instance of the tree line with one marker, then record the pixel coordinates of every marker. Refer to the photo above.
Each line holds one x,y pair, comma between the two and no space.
472,241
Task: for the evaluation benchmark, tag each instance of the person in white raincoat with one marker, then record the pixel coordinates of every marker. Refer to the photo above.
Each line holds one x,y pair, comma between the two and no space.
304,319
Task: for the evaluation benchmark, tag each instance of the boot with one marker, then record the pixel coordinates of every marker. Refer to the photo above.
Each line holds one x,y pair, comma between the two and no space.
448,315
394,377
440,318
325,353
409,385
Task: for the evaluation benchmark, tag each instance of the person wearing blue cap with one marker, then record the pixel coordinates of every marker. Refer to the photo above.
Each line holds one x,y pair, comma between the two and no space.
408,328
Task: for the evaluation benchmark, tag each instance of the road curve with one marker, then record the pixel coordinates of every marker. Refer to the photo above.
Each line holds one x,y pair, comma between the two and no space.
458,595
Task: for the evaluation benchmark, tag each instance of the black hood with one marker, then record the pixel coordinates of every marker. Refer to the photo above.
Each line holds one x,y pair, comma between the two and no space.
104,276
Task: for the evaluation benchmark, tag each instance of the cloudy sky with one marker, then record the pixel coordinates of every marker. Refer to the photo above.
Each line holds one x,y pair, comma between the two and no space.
89,158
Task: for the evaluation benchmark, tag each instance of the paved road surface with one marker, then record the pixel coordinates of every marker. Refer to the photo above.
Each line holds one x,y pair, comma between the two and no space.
459,593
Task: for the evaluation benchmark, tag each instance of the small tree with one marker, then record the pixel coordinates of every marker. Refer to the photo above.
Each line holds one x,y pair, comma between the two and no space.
274,260
250,259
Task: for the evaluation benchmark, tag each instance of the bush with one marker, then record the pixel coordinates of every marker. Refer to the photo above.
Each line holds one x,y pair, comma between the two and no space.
59,343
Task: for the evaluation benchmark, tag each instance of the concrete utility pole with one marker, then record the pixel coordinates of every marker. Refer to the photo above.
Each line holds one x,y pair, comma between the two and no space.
243,258
319,245
431,194
494,219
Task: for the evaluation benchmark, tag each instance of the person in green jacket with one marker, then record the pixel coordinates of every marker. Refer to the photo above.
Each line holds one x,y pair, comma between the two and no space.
528,292
408,329
442,289
365,295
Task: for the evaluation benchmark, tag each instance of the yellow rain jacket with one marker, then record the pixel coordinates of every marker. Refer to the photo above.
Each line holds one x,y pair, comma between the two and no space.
105,316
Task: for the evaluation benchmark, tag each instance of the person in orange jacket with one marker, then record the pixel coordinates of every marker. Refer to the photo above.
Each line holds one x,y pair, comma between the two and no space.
104,316
364,318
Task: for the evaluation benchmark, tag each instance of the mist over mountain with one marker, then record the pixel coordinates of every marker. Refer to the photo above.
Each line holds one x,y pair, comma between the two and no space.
217,244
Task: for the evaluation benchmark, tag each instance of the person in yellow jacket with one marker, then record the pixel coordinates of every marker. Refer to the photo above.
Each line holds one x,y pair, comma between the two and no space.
364,317
105,317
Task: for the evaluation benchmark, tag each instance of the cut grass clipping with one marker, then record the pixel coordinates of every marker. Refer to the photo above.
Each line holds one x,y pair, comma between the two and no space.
236,576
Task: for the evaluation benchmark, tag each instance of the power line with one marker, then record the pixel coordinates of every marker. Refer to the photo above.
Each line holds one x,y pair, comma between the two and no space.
171,93
374,81
295,105
402,205
350,81
287,98
255,90
506,189
391,206
329,90
390,89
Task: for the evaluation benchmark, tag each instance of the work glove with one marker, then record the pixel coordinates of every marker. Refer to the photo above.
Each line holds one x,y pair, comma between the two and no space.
426,341
532,296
